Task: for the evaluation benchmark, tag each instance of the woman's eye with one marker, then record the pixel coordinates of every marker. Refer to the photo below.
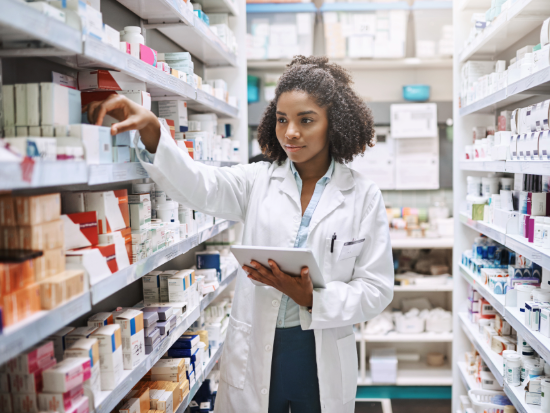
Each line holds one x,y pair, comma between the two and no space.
307,120
281,120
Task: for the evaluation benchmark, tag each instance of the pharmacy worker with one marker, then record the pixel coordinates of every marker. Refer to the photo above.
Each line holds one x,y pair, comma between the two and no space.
289,346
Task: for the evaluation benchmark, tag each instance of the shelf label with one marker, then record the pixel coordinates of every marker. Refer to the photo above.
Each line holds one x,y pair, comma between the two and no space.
72,308
140,170
119,173
171,255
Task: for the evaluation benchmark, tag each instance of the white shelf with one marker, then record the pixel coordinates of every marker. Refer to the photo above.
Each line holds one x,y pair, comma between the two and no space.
485,166
20,22
160,10
466,378
207,299
365,64
395,337
423,288
521,19
422,243
530,167
43,174
496,300
220,6
23,335
415,374
517,397
492,359
128,275
539,342
537,83
205,102
475,5
484,228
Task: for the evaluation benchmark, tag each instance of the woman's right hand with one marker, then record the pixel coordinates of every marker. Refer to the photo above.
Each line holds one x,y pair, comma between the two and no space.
130,115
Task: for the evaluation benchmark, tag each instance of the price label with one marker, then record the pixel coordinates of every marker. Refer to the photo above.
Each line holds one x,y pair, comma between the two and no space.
120,174
140,170
536,257
171,255
74,307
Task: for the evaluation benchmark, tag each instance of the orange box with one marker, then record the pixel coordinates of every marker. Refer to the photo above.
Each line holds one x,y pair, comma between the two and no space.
51,263
15,276
9,238
44,236
7,211
20,304
107,204
176,392
37,209
55,290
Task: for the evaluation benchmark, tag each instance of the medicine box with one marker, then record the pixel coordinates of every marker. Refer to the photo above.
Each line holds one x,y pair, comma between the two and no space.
60,402
77,334
80,230
29,382
24,402
58,339
175,110
100,320
67,374
209,259
108,80
178,283
111,207
110,355
60,105
133,341
60,288
140,215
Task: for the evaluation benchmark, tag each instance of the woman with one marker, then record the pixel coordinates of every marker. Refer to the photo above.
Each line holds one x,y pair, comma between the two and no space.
289,345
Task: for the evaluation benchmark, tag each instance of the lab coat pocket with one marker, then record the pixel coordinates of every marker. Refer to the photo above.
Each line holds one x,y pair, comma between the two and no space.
348,361
340,269
235,353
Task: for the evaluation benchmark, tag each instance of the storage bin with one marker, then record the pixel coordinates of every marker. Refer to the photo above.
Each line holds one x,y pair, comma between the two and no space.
365,30
433,28
416,93
279,31
481,400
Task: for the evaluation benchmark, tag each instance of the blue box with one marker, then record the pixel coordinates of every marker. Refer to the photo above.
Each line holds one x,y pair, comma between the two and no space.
209,259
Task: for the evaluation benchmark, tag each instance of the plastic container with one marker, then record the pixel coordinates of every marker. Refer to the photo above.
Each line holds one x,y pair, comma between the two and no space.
527,364
132,34
505,355
433,28
279,31
524,294
416,93
489,186
473,185
507,184
365,30
540,295
168,211
481,400
513,370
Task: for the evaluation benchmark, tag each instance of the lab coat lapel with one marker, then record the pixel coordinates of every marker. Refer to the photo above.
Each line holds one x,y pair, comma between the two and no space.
341,181
288,186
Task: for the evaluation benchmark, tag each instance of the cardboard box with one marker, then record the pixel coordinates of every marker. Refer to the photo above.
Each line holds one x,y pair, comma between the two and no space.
8,105
48,235
95,141
52,262
58,339
108,80
80,229
100,320
77,334
67,374
147,55
60,105
33,104
85,347
110,355
177,285
33,360
175,110
24,403
133,343
97,262
30,382
37,209
73,202
165,402
60,402
111,207
20,104
7,211
60,288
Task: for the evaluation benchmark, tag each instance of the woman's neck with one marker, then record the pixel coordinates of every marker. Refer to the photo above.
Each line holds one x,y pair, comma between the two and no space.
315,167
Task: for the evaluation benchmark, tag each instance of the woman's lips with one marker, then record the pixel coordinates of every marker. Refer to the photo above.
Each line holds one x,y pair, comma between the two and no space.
291,148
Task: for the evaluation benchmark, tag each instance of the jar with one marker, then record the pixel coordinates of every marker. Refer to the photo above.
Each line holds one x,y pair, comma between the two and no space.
524,294
473,185
540,295
538,238
132,35
167,211
506,184
505,355
546,229
489,186
513,370
527,363
536,371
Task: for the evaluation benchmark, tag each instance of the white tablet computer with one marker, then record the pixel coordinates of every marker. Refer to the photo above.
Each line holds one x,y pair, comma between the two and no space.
290,260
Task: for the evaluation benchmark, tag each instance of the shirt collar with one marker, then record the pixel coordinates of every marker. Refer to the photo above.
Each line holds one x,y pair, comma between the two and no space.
326,177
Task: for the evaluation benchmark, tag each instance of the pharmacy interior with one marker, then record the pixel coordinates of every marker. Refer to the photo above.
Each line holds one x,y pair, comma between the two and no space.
115,298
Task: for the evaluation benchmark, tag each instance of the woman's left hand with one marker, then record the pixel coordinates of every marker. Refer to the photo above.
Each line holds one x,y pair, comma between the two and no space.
300,289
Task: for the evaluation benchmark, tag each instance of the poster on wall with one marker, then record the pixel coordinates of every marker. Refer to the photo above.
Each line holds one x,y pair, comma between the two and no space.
417,163
414,120
378,162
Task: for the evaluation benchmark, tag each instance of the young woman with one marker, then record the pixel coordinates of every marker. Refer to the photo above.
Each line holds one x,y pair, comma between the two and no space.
289,345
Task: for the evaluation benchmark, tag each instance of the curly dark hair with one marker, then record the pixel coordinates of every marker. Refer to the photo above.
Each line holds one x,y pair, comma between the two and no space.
350,121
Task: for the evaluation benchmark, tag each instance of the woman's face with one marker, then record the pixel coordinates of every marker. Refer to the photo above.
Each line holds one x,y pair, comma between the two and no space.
302,127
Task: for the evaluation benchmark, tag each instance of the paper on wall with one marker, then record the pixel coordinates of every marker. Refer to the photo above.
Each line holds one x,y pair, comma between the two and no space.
415,120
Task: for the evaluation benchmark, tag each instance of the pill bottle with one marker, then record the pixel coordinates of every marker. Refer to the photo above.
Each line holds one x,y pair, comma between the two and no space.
545,395
505,355
539,231
132,35
546,229
513,370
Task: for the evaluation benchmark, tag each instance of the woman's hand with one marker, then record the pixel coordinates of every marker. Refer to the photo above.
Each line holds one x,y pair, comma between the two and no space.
130,115
300,289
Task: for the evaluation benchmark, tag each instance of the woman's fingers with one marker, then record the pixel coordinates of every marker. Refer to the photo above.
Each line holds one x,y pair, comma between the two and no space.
108,105
256,275
125,125
305,275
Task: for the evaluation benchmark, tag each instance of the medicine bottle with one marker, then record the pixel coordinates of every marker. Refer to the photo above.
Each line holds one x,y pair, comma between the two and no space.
539,231
546,228
513,369
132,34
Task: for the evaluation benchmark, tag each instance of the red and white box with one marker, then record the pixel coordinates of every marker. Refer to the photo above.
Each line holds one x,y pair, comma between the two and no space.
111,207
108,80
34,359
80,406
24,403
80,230
6,402
67,375
31,382
60,402
98,262
138,96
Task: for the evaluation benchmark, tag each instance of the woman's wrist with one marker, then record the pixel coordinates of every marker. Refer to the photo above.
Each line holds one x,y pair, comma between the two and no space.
150,133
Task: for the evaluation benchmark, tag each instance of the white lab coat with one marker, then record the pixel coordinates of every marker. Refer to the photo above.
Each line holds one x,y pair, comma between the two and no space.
265,197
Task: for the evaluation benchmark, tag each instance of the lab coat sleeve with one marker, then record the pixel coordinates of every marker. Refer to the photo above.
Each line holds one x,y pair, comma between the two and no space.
221,192
371,287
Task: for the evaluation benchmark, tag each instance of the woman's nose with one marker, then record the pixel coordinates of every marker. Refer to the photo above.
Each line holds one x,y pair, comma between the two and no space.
292,132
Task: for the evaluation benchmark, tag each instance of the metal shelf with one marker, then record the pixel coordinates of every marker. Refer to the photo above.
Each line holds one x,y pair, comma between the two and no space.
394,337
531,167
533,85
205,102
539,342
198,40
128,275
484,228
521,19
192,392
20,22
207,299
422,243
43,174
492,359
474,5
160,10
116,172
23,335
496,300
365,64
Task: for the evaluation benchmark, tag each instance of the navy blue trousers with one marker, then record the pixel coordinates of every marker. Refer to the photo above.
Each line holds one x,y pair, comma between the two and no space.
294,382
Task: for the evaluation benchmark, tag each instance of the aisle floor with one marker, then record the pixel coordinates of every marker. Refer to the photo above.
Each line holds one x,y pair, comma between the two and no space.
405,406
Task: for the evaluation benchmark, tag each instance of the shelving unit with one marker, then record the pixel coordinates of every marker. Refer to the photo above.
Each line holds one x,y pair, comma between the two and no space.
415,374
409,338
365,64
496,300
422,243
530,167
424,288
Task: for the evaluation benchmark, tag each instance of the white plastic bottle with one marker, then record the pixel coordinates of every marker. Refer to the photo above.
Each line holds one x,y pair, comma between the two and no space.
539,231
546,235
545,395
132,34
513,370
